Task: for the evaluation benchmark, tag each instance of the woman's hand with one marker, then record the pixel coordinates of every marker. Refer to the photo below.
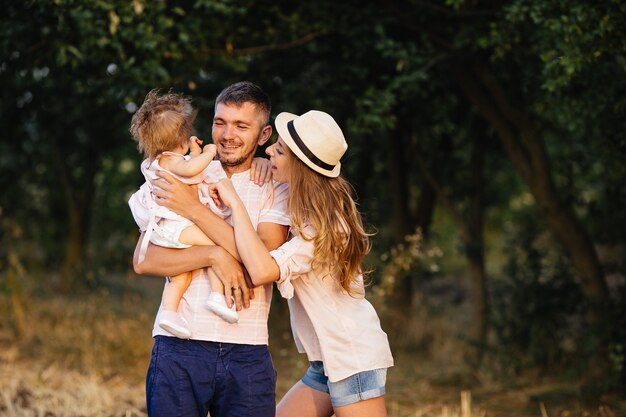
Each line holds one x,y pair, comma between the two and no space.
260,171
224,194
175,195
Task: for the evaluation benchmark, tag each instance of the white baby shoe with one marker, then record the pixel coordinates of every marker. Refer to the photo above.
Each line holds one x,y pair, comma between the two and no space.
217,304
174,323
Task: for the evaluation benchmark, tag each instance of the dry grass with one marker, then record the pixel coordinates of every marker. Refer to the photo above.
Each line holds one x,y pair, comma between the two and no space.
87,356
75,357
34,389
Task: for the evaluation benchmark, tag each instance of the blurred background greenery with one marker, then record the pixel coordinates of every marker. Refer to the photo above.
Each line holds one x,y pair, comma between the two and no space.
487,148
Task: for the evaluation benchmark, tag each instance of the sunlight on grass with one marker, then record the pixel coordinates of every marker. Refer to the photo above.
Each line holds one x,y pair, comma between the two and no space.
87,356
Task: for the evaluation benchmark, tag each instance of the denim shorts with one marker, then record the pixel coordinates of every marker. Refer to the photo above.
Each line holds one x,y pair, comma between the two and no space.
355,388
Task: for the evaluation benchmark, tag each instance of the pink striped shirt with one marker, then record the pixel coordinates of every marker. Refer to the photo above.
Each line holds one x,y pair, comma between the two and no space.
265,204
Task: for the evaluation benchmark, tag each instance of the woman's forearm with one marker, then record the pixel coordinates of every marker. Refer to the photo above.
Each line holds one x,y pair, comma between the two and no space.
216,229
255,256
183,199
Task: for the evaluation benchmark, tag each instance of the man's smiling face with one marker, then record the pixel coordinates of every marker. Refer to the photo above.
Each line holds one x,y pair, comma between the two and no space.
237,131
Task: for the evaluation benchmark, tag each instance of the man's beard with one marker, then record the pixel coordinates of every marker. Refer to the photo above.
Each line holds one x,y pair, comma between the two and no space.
236,162
233,163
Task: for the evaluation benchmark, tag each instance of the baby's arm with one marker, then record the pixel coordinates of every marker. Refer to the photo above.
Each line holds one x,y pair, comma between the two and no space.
192,166
194,146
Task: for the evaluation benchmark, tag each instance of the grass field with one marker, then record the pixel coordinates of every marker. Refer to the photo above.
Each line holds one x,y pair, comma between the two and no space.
87,356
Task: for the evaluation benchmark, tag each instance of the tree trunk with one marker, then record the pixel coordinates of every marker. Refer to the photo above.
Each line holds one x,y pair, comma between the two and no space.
425,209
526,149
438,157
398,182
471,230
73,261
79,193
475,252
402,223
15,276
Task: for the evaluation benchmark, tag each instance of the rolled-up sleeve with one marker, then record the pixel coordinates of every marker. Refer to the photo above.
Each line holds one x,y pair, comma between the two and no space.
293,259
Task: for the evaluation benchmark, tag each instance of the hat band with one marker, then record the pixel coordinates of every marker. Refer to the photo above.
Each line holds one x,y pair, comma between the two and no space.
305,150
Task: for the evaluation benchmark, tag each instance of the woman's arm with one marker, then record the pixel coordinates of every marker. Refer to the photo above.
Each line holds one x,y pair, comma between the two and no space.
183,199
162,261
253,252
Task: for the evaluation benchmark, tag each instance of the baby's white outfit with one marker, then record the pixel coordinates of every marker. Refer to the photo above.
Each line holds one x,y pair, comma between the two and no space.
162,226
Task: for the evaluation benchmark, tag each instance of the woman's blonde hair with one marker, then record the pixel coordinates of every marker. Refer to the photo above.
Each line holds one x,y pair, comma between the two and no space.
327,204
162,123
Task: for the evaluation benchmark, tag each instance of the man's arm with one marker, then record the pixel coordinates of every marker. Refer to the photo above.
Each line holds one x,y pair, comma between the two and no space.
183,199
166,262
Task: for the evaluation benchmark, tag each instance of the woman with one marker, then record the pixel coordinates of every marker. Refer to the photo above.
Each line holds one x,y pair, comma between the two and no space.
319,271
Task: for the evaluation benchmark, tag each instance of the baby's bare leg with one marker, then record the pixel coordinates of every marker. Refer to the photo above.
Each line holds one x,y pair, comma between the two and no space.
192,235
216,284
170,320
173,292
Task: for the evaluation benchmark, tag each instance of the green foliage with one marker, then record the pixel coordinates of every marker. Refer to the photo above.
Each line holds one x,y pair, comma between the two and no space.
567,36
537,307
73,71
407,260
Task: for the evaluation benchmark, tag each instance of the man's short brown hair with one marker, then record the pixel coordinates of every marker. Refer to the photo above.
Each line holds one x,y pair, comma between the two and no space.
246,92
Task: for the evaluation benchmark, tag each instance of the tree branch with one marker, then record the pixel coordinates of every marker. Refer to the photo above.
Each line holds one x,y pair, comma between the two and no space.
521,120
443,196
500,122
231,50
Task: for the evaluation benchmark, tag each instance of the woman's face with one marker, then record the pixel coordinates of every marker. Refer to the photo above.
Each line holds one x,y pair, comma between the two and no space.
280,158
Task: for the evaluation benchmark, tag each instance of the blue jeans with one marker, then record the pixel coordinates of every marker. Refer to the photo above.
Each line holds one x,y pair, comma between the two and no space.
192,378
358,387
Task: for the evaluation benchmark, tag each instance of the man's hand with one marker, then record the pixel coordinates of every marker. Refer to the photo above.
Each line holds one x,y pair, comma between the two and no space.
236,282
175,195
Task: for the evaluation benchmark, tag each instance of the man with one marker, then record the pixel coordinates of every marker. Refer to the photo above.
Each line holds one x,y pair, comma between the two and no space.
224,369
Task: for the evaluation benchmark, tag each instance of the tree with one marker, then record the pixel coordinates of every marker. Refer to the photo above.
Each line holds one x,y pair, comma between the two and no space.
75,71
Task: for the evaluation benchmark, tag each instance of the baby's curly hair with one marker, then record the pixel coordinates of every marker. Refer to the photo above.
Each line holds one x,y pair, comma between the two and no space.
162,123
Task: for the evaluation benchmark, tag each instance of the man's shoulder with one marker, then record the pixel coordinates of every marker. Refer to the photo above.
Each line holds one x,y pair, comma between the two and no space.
278,187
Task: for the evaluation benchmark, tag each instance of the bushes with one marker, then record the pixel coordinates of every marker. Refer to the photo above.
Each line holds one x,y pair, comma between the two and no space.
538,313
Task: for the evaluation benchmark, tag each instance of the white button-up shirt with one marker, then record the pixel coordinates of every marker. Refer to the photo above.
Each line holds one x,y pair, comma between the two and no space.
329,325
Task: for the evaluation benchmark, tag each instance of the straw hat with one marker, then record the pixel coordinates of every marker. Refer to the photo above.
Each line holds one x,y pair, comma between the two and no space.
315,138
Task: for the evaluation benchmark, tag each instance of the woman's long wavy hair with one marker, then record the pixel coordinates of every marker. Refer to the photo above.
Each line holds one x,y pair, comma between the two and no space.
327,204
